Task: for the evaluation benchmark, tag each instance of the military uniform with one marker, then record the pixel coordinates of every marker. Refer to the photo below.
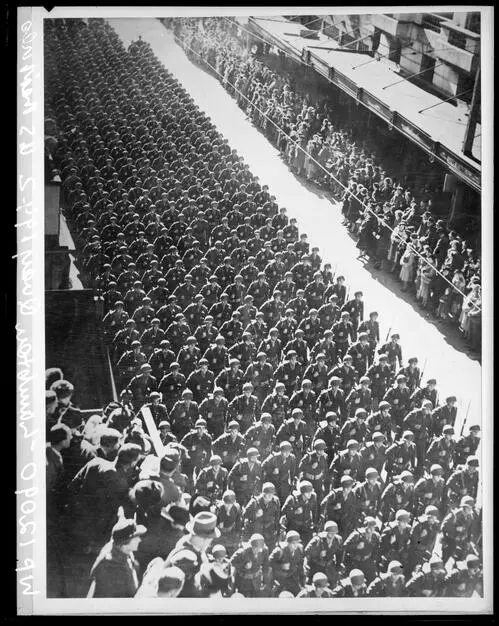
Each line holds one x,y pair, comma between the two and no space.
280,471
215,413
210,483
245,479
287,569
229,448
262,517
251,572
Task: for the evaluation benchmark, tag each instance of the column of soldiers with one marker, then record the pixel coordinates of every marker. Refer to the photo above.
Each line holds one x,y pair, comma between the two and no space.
332,467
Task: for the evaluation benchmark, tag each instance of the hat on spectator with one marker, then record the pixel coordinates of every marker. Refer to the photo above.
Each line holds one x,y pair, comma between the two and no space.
204,525
126,529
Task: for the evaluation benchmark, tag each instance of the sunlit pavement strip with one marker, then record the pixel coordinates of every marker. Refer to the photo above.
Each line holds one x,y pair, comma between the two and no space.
455,373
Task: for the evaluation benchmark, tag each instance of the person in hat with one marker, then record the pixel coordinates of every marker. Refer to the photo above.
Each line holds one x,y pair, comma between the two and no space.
245,477
171,386
466,579
189,554
393,351
352,587
299,511
318,589
198,443
314,467
418,421
329,432
398,397
262,514
354,428
286,562
298,345
380,375
343,334
412,374
261,435
188,356
401,455
289,372
245,408
340,505
429,581
389,585
398,493
324,553
280,469
361,548
396,540
158,409
430,489
332,399
217,355
443,415
371,328
184,414
160,581
423,537
250,563
272,347
299,304
213,410
152,337
355,308
293,430
347,461
467,445
460,530
442,450
230,380
114,573
360,352
346,373
259,373
230,445
368,494
211,481
201,381
318,375
229,521
428,392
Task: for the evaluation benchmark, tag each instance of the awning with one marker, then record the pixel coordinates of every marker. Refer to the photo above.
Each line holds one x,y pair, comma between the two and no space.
439,131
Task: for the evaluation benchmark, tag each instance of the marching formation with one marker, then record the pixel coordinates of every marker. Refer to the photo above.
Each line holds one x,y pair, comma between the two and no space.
267,441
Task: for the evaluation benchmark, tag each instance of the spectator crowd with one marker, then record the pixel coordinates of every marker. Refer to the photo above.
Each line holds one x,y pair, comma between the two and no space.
265,441
396,226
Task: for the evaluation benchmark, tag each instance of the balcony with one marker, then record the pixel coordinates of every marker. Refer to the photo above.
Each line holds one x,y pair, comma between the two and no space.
393,26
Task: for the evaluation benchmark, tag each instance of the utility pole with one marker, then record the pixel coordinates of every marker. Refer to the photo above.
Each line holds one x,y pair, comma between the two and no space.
473,118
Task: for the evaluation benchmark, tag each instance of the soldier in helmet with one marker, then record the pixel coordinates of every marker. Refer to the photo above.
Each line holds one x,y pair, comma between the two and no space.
324,553
245,477
362,548
280,469
396,539
423,537
388,585
460,529
299,511
286,561
429,489
352,587
262,514
428,583
467,446
250,564
398,494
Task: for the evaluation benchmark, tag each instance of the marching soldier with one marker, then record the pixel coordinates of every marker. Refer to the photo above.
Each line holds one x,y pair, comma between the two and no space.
380,422
373,455
362,548
230,445
324,553
462,482
398,494
467,446
280,469
429,490
368,494
460,529
261,435
277,405
340,505
229,522
393,352
329,432
299,511
245,477
214,410
399,398
352,587
389,585
395,540
401,455
286,561
211,481
250,564
380,376
423,537
313,467
245,408
428,584
443,415
347,461
262,514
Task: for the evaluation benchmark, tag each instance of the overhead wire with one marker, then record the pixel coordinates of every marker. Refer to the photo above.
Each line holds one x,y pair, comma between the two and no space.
348,190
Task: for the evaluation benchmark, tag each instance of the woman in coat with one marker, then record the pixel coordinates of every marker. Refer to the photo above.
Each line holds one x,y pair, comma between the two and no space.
407,263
